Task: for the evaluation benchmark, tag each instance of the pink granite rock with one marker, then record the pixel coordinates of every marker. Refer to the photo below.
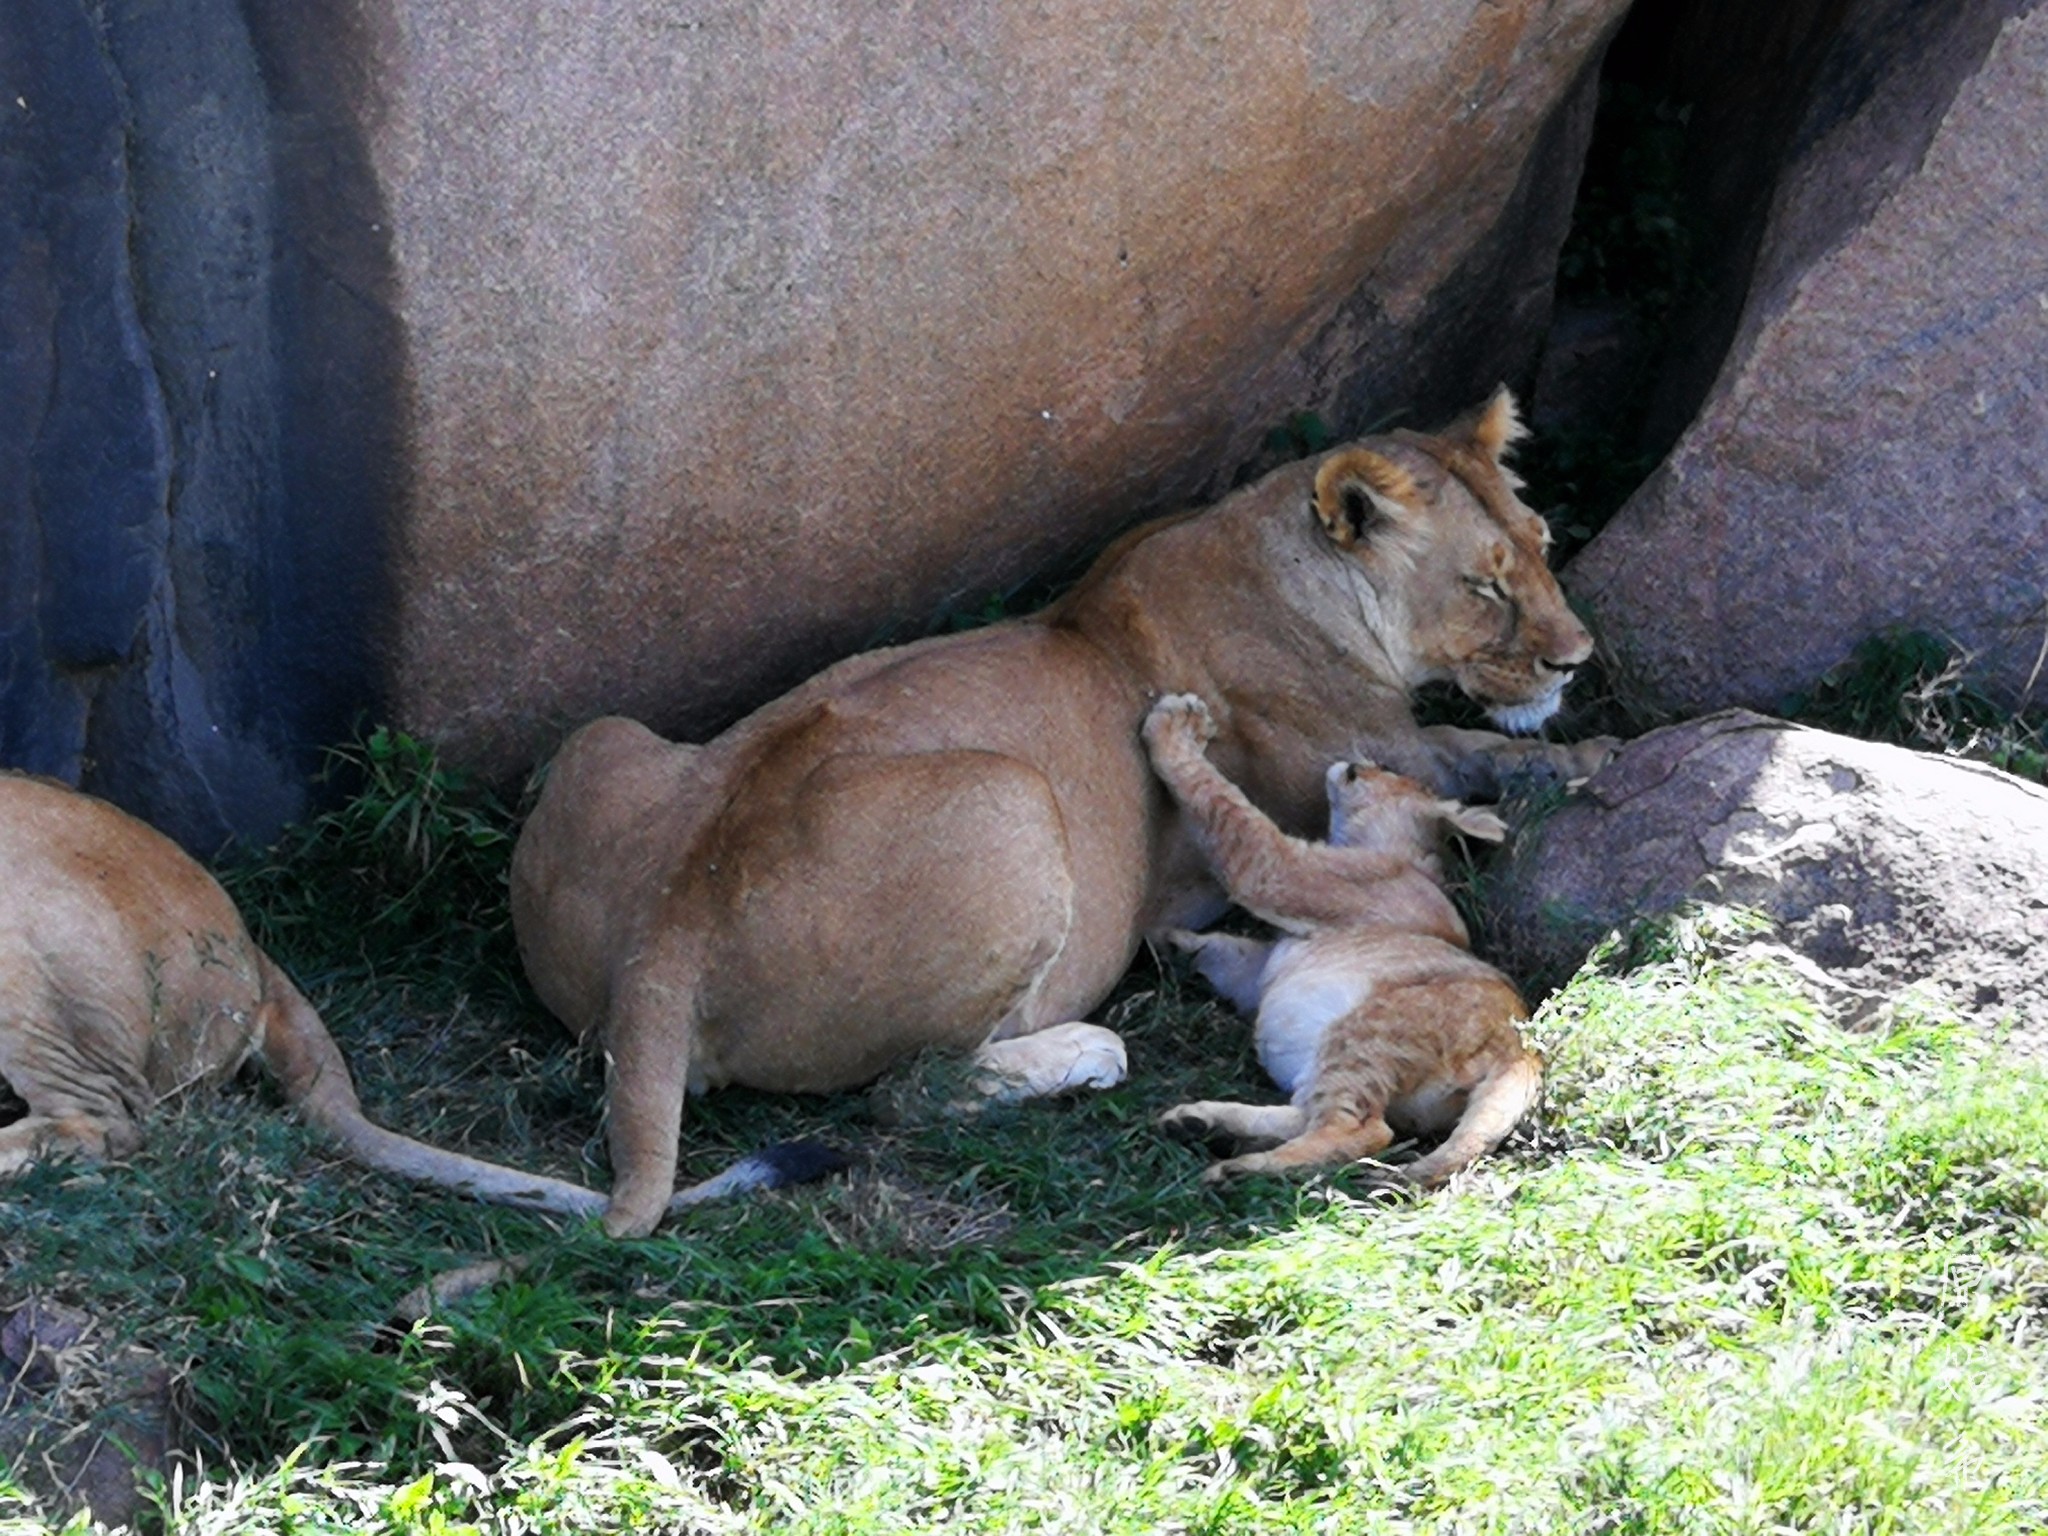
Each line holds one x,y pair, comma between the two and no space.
1875,452
737,336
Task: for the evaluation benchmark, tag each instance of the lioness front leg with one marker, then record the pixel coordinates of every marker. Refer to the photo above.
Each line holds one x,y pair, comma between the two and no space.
1483,765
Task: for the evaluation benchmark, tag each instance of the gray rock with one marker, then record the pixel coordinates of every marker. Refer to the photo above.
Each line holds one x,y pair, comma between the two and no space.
1885,867
198,391
1875,452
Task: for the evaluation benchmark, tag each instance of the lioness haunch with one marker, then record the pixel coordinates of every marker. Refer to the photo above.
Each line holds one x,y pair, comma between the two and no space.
127,976
1373,1013
959,843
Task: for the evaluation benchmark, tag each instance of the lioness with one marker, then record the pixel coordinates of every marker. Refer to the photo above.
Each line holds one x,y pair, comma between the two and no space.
1373,1012
958,843
126,977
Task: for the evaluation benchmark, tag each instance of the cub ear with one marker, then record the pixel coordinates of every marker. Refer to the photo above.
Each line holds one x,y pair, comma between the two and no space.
1358,491
1498,426
1475,821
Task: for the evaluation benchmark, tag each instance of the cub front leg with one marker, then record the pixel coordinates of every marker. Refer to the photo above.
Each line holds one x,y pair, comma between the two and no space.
1253,858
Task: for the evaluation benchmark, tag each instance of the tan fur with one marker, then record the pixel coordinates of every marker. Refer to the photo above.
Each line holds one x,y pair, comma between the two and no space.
1374,1013
958,843
127,977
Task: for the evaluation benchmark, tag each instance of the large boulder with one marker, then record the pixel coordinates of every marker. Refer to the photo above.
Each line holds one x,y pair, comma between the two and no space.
1885,867
494,365
736,339
1874,454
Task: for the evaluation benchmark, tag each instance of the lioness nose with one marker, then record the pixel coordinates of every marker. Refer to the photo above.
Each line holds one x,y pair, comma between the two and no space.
1571,647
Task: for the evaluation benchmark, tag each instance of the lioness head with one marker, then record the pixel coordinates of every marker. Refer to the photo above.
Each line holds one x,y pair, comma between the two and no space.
1456,564
1386,812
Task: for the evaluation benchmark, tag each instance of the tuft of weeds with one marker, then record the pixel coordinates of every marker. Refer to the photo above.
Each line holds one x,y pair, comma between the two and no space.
406,879
1913,689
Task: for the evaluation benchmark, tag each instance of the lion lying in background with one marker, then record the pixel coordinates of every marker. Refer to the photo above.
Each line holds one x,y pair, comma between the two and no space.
1373,1013
127,977
958,844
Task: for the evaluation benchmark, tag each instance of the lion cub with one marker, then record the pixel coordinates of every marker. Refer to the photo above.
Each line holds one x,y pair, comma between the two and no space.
1372,1012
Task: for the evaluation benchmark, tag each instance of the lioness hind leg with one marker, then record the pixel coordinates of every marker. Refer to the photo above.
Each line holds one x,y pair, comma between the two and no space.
1331,1142
38,1138
1235,1125
1063,1059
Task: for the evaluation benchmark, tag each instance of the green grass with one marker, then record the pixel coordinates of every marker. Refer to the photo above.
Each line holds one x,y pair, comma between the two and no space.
1745,1273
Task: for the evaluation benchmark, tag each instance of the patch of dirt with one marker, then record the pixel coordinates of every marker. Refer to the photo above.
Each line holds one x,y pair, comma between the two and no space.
82,1417
879,1214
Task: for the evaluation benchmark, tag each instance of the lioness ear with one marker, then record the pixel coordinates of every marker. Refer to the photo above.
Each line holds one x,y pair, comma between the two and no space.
1498,427
1475,821
1357,491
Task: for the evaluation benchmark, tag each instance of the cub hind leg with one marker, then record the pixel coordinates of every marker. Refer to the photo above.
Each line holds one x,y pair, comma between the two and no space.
1334,1140
1494,1109
1429,1052
1237,1125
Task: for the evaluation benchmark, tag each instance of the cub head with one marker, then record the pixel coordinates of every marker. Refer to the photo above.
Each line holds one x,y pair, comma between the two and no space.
1386,812
1455,563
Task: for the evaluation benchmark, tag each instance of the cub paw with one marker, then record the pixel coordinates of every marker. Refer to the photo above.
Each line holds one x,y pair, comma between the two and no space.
1200,1125
1231,1170
1179,717
1382,1179
1185,1122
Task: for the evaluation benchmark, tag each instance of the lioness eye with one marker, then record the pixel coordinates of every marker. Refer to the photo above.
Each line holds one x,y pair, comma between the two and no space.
1488,588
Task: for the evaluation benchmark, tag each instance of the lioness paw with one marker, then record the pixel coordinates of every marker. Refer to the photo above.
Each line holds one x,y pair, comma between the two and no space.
1064,1058
1588,757
1179,717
